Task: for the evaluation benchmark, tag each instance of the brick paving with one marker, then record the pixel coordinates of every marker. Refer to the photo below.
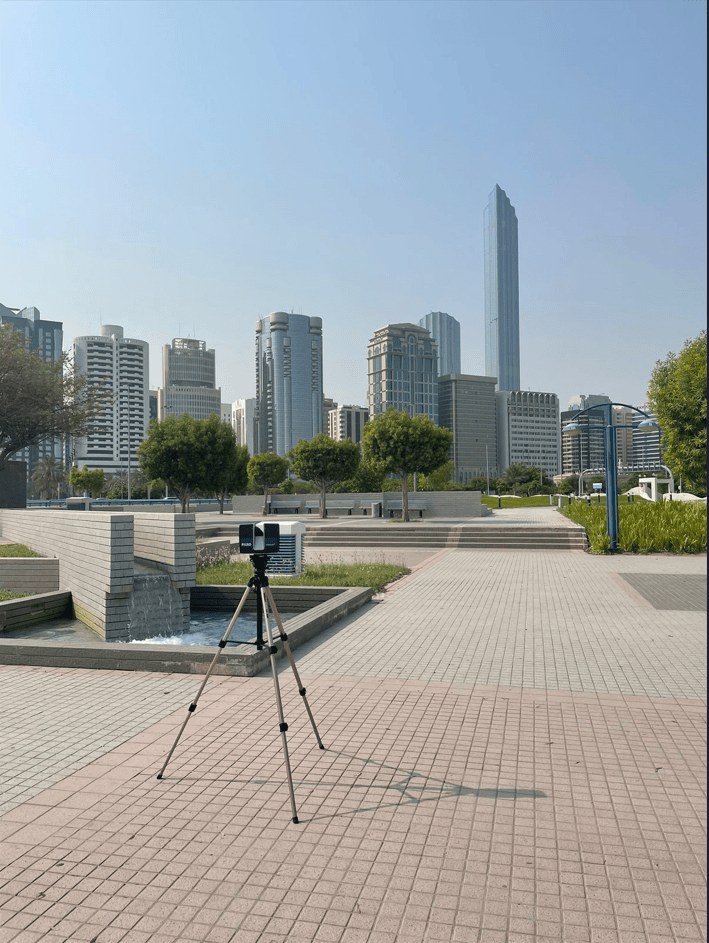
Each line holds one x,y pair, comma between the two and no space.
515,752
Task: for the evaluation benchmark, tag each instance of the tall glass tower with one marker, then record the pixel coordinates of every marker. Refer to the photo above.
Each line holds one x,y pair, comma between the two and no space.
501,292
445,331
289,383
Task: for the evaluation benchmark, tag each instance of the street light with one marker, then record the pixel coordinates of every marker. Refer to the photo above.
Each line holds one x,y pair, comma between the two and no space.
611,455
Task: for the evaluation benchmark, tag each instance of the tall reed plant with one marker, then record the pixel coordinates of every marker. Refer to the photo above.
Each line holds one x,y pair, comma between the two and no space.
646,527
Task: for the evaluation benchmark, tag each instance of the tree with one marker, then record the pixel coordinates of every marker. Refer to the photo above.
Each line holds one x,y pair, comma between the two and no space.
40,399
479,483
368,479
226,473
677,395
406,444
175,451
568,485
47,476
88,481
439,480
267,470
325,462
526,479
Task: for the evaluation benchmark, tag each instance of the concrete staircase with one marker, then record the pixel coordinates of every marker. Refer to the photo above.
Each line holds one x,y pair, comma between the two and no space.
445,537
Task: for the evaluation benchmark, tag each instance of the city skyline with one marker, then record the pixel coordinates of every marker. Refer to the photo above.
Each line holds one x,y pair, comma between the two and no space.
359,200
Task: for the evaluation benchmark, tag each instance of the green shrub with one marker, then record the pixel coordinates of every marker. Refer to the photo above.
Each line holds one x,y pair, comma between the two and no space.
6,595
16,550
645,527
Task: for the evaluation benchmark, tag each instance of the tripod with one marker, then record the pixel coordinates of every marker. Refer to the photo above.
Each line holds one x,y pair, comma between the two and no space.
264,599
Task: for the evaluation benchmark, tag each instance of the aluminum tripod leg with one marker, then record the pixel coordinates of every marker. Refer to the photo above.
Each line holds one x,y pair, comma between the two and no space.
283,726
291,661
193,706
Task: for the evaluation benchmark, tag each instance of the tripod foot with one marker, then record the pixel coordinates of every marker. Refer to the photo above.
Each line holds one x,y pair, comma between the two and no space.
295,819
322,747
159,776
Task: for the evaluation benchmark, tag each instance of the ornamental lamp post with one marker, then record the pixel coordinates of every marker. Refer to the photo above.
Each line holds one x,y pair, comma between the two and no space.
611,456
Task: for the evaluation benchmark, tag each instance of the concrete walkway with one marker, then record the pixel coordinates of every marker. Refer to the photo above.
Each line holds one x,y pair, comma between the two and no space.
515,753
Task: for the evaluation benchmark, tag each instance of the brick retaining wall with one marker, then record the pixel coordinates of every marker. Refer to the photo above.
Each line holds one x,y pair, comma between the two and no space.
29,574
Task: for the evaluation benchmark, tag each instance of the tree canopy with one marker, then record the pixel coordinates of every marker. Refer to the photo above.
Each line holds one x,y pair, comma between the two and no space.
88,480
226,470
267,470
40,399
325,462
174,451
406,444
677,394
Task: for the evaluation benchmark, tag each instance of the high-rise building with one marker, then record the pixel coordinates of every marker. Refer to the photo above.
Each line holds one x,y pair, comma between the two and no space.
327,406
289,381
45,338
587,449
243,420
188,380
403,371
528,430
466,406
445,331
120,366
646,446
501,292
347,422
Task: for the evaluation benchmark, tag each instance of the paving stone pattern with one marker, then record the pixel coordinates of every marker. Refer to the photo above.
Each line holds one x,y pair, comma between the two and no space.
515,754
681,593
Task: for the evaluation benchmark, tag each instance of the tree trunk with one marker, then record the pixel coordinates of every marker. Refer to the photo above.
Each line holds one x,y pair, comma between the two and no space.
405,497
265,499
323,506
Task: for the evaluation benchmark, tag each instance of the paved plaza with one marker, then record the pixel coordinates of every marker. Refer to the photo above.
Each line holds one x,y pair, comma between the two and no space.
515,752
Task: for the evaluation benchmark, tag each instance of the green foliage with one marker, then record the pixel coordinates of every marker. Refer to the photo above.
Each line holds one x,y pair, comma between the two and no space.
16,550
325,462
7,595
48,476
265,471
40,399
525,480
376,575
645,526
406,444
677,394
368,479
568,485
92,481
479,483
175,451
439,480
226,471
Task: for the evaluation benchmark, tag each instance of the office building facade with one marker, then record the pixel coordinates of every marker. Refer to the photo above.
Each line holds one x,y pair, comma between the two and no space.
445,331
402,371
189,380
587,449
528,430
120,366
466,406
243,420
289,381
347,422
501,292
44,338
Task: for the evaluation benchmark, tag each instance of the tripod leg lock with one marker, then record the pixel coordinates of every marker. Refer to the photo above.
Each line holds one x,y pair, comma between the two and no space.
301,691
283,727
272,650
192,708
222,643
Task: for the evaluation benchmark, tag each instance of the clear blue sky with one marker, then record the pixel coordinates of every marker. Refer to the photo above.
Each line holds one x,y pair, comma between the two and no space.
183,169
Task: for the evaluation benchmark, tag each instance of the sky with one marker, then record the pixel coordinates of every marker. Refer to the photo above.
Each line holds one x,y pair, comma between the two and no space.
183,169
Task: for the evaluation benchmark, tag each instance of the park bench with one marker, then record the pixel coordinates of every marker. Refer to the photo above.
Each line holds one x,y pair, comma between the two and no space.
279,505
331,506
419,506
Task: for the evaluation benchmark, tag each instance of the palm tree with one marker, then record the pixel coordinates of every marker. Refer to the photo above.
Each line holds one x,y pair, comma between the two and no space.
48,475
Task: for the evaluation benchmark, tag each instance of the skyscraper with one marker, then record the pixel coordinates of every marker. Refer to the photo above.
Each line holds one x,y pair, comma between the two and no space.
289,381
188,380
501,292
403,371
445,331
466,406
120,365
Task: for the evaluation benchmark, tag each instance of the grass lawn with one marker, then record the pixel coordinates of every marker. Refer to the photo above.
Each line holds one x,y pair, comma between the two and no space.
16,550
376,575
